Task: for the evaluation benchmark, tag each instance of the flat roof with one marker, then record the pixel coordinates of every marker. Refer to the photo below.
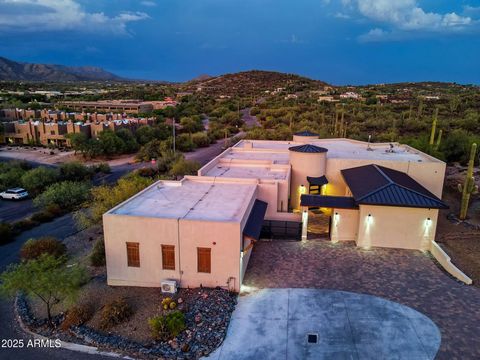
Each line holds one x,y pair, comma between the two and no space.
249,171
337,149
193,198
265,154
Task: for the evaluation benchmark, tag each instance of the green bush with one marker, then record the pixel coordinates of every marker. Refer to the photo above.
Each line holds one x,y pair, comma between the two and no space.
6,233
167,326
36,180
200,139
77,315
97,257
34,248
54,210
184,143
75,171
25,224
67,195
115,312
183,167
42,217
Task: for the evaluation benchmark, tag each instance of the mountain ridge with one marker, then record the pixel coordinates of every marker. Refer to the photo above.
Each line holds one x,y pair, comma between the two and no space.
11,70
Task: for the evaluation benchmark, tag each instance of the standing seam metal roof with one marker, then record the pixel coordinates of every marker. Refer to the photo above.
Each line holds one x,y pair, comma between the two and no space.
378,185
308,148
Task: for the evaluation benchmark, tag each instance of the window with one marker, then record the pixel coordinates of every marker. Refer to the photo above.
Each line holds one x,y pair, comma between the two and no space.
133,254
204,260
168,257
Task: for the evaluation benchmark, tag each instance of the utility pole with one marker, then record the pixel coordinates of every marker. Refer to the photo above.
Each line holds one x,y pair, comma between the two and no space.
173,136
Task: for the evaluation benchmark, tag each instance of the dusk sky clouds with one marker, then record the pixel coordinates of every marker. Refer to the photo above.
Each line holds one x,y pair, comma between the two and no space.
339,41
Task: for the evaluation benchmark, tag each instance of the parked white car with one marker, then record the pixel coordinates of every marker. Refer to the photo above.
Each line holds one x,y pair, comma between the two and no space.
14,194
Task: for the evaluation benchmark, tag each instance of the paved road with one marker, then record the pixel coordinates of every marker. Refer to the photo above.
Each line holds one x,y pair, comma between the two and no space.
11,211
250,120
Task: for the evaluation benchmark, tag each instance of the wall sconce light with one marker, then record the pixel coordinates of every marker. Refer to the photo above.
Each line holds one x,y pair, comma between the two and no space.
369,218
428,222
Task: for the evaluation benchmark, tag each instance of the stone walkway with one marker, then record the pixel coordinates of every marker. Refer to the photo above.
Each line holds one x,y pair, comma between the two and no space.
404,276
275,324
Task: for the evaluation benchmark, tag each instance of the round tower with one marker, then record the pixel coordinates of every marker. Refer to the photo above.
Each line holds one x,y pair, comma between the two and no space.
305,160
304,137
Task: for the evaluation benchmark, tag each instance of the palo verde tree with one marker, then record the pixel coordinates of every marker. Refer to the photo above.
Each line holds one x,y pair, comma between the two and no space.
47,278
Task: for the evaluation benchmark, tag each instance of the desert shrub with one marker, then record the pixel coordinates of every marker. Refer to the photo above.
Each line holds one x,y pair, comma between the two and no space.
54,210
106,197
36,180
184,143
103,168
67,195
6,233
115,312
78,315
148,172
168,326
97,257
75,171
183,167
25,224
42,216
33,248
200,139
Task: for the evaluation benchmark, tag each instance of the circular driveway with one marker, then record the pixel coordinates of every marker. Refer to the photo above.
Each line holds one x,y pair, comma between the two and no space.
275,324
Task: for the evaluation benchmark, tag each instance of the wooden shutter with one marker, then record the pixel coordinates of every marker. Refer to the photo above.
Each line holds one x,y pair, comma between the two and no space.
204,260
168,257
133,254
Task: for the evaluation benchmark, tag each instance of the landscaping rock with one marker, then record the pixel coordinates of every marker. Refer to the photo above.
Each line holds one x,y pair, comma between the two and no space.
207,315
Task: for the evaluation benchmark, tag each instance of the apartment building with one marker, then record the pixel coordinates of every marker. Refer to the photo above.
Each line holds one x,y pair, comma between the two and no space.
125,106
55,132
200,231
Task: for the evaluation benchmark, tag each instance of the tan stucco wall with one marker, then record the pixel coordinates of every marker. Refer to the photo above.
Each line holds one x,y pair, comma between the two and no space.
151,233
396,227
304,139
344,225
303,165
225,253
428,174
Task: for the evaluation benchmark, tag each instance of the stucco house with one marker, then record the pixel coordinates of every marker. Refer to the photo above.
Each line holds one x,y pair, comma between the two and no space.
200,231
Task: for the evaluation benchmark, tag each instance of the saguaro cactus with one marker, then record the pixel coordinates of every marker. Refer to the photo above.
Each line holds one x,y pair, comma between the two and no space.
439,139
468,186
434,127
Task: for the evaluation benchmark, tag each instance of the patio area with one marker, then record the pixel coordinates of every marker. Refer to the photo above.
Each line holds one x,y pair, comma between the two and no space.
408,277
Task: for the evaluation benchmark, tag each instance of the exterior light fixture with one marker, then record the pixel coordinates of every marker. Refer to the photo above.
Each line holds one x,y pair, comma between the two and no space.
369,219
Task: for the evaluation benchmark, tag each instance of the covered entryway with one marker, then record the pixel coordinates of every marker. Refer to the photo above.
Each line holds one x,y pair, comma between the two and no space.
318,211
319,223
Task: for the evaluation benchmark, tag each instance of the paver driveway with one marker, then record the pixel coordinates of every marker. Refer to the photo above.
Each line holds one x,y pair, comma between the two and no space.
404,276
275,324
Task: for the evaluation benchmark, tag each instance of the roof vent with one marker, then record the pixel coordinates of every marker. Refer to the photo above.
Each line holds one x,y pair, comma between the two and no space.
312,338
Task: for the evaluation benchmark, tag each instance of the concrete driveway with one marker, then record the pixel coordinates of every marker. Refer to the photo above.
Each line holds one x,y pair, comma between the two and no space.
275,324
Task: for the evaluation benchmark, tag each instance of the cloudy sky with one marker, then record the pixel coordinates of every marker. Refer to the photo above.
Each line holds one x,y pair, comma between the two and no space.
339,41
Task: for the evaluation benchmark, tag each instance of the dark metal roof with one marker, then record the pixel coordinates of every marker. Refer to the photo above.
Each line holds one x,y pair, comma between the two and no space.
305,133
253,227
378,185
339,202
322,180
308,148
